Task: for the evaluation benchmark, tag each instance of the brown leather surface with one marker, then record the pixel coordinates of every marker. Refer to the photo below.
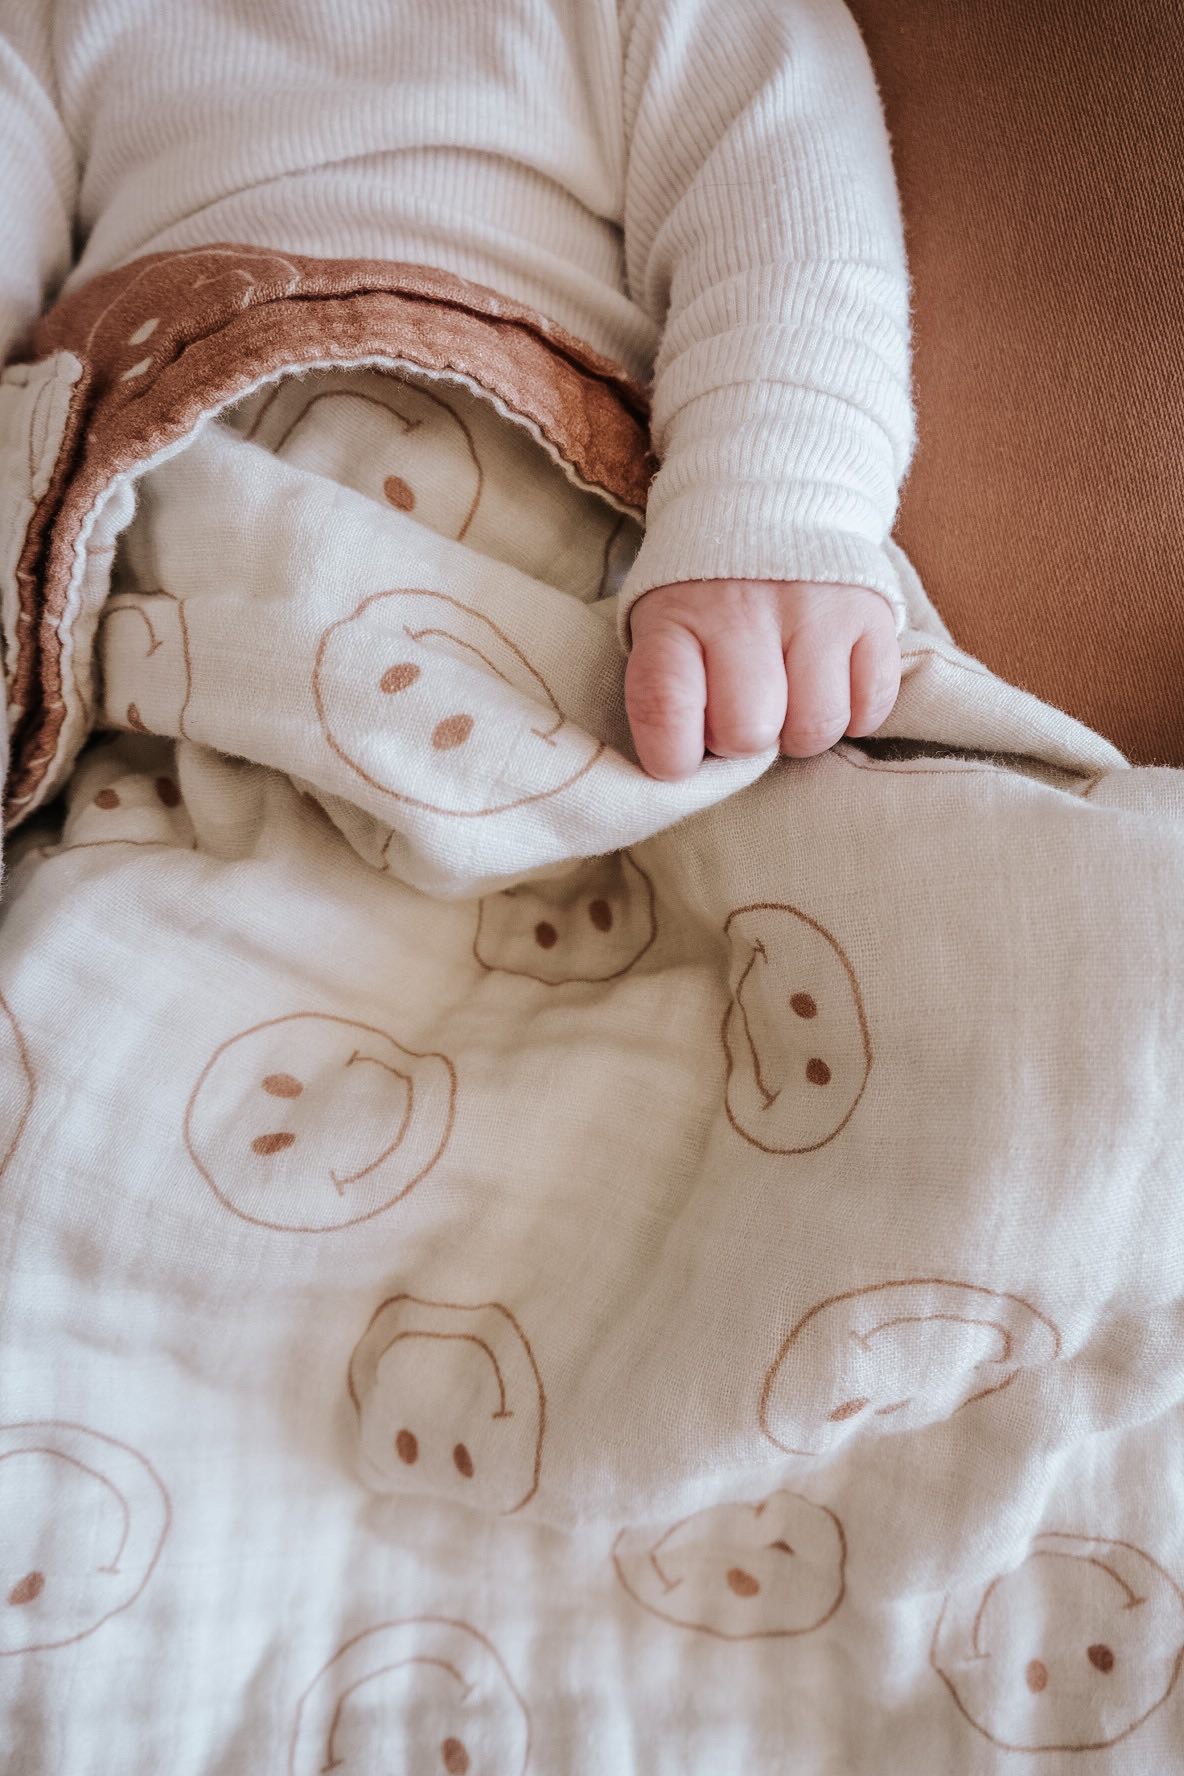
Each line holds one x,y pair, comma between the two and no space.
1039,147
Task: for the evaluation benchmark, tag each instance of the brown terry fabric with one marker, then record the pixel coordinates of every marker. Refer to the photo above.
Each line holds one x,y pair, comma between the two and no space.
175,335
1039,150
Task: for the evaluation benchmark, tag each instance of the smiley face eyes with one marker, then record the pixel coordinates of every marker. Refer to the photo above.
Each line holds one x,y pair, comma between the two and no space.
744,1584
852,1409
1101,1657
282,1085
448,734
166,790
453,731
804,1005
28,1589
266,1145
277,1085
398,493
1036,1675
398,678
407,1450
601,915
599,912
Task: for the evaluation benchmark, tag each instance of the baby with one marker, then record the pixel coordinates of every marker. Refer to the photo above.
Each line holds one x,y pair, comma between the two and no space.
703,193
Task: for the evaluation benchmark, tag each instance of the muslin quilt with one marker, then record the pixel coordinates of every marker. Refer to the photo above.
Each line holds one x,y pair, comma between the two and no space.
509,1266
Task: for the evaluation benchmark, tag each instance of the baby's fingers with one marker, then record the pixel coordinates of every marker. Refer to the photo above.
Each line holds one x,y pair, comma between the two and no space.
665,699
875,682
818,667
745,690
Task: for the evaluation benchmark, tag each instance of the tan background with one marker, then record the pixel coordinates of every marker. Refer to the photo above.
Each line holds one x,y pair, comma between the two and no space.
1039,151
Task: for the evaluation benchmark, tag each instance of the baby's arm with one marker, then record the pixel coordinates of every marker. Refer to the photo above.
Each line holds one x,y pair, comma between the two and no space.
762,227
38,174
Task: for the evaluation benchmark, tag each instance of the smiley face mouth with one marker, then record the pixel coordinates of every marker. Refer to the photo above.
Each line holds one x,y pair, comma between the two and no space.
155,642
503,1410
1101,1657
114,1536
287,1086
333,1760
859,1403
31,1585
507,776
406,1443
1099,1647
736,1573
547,735
738,1579
452,1679
396,491
803,1005
907,1351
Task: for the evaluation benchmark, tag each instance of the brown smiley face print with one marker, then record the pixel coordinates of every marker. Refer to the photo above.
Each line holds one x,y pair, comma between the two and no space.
113,803
423,1697
740,1572
147,671
795,1036
82,1521
449,1400
590,925
16,1085
433,705
310,1123
132,337
1069,1651
398,442
896,1356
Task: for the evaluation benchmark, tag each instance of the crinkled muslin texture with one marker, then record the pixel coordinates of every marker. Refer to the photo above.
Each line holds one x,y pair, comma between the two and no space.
513,1267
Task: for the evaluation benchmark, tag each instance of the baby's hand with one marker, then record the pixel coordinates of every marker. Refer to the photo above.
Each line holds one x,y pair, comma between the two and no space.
730,666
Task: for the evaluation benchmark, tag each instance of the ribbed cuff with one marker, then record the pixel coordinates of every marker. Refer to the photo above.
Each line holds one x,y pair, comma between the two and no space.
732,535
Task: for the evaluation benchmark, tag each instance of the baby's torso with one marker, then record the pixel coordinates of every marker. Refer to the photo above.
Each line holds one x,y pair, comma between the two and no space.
486,140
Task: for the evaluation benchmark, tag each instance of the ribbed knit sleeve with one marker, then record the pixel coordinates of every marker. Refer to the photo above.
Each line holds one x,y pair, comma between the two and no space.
38,175
762,228
737,148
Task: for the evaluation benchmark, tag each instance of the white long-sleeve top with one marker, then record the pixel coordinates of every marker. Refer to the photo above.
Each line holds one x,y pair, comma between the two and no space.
701,191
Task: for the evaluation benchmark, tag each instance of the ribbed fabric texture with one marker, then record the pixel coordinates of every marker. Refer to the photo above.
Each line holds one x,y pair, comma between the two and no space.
703,193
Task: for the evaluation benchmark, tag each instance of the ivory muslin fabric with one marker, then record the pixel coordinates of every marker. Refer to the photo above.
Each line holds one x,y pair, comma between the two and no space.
511,1267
